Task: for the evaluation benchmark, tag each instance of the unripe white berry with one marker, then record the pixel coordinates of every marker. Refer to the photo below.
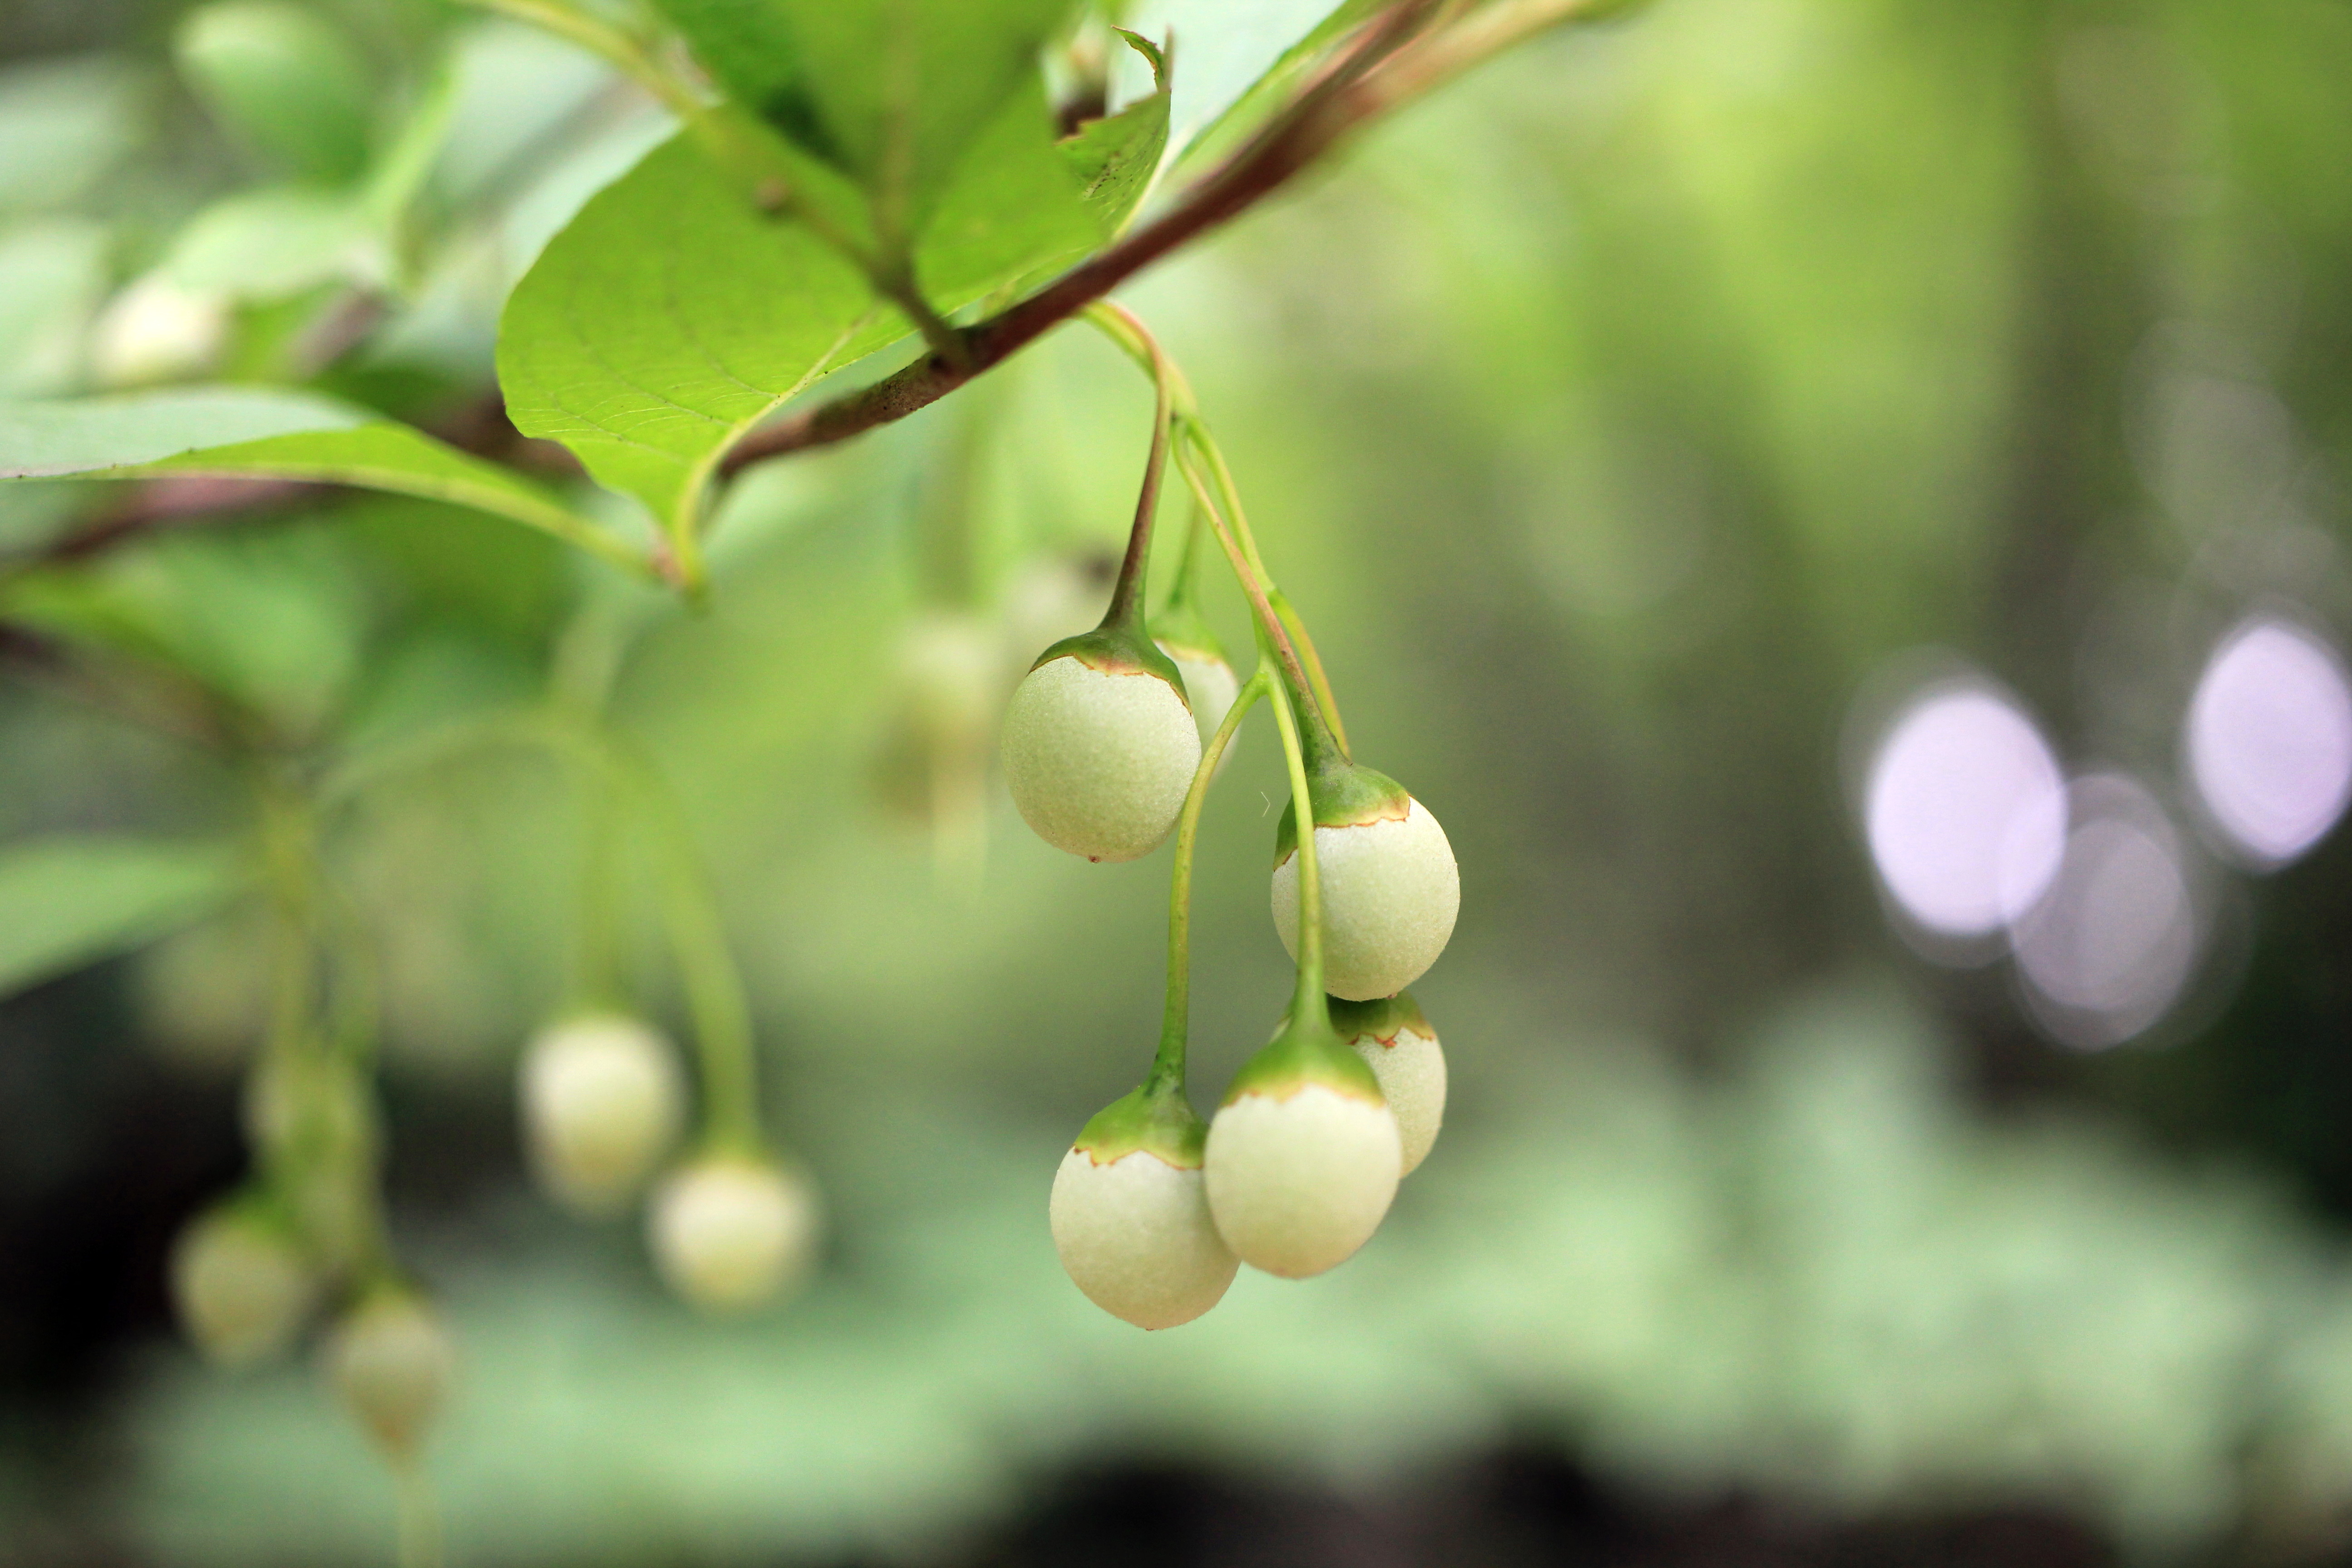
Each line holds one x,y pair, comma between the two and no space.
157,330
241,1285
730,1233
600,1098
1135,1234
392,1361
1099,761
1395,1040
1211,686
1297,1182
1390,892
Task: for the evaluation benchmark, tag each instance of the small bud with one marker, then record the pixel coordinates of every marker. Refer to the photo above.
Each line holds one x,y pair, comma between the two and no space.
392,1361
1390,892
156,329
240,1283
1130,1214
1303,1157
601,1104
729,1233
1395,1040
1100,748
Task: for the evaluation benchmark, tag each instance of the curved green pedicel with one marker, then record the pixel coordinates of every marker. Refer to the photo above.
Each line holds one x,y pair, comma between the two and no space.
1305,1054
1344,795
1155,1119
1383,1018
1117,650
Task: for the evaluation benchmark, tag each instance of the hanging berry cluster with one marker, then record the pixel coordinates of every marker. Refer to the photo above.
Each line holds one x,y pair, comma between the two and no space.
1153,1211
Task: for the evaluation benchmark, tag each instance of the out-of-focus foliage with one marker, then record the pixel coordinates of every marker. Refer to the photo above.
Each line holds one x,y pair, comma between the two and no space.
1614,417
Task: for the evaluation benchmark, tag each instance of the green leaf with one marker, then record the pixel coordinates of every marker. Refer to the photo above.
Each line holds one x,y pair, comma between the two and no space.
668,318
67,902
273,435
1116,156
892,92
1018,204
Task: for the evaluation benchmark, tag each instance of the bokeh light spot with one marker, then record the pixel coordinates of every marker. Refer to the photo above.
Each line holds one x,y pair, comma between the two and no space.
2270,739
2106,952
1965,810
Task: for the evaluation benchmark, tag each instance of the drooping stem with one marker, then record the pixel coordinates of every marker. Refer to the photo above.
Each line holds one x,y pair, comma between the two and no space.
1168,1066
1127,594
420,1519
1274,639
715,995
1309,1004
1196,432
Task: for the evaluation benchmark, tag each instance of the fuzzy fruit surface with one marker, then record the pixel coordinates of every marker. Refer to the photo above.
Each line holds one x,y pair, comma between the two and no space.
392,1361
241,1287
1396,1041
602,1098
1211,686
1135,1234
729,1234
1296,1182
1390,893
1099,759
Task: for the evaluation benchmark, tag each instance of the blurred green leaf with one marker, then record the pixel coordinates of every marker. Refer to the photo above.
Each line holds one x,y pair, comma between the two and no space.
268,244
52,274
68,901
272,435
1018,204
65,123
1117,155
285,82
272,623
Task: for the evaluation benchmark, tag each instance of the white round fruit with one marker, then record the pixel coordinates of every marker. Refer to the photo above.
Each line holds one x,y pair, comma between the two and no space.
1099,762
392,1361
1211,686
1297,1184
242,1287
1135,1234
1411,1070
155,330
1390,892
729,1234
602,1098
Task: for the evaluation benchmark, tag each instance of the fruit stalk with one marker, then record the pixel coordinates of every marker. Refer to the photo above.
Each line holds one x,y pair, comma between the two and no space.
1168,1065
1127,594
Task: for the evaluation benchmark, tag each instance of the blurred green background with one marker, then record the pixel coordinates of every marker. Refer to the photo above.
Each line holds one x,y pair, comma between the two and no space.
1625,420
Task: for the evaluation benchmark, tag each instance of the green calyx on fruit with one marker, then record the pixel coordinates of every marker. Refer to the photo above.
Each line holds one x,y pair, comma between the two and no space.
1395,1039
1099,745
1304,1053
1304,1155
729,1232
241,1282
602,1098
392,1361
1343,795
1155,1119
1130,1212
1390,887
